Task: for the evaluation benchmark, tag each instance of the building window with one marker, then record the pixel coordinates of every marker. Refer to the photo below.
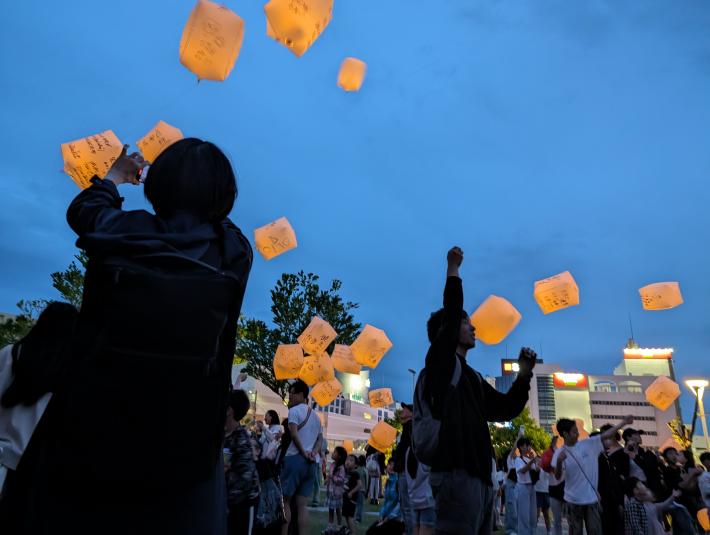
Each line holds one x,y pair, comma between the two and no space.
630,387
619,403
605,386
620,417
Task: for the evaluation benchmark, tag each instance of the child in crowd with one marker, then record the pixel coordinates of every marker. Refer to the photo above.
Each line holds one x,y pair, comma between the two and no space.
641,515
704,479
353,488
362,472
335,484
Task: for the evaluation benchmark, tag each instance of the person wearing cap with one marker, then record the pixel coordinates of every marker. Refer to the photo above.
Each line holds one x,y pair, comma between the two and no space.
643,463
461,468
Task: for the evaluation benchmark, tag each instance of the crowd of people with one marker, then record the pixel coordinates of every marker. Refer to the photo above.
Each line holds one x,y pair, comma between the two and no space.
121,417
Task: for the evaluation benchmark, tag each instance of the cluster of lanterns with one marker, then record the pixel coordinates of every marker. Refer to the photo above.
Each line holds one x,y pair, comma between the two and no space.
496,317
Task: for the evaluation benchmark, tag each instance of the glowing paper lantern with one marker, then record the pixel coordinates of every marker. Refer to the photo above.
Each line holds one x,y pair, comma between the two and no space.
704,519
297,23
325,392
556,292
661,296
348,445
317,336
352,74
662,392
370,346
382,397
211,41
495,319
157,140
316,369
89,156
275,238
288,361
382,436
344,360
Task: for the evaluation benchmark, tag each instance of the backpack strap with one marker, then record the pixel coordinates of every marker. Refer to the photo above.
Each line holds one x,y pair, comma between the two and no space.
304,422
456,377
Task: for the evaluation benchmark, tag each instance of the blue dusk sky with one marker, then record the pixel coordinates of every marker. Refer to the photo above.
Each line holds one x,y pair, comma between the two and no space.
539,135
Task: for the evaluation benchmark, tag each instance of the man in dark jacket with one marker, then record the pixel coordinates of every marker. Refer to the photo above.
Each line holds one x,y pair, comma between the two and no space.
461,472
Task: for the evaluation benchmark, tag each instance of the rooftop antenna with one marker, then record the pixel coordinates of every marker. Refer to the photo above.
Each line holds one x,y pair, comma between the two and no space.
631,343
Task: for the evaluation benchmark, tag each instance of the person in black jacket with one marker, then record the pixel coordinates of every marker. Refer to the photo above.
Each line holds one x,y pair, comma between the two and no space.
137,446
461,474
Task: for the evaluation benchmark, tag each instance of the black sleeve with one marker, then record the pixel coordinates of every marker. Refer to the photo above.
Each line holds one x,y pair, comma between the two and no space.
501,407
621,462
440,359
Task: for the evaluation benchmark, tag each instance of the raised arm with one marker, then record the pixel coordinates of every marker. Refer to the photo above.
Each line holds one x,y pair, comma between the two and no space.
441,357
501,407
609,433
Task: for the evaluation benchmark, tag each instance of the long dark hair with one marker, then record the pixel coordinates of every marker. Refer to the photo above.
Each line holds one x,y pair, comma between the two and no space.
342,456
41,357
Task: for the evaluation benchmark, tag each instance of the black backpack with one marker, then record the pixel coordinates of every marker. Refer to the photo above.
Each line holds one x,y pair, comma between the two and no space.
147,396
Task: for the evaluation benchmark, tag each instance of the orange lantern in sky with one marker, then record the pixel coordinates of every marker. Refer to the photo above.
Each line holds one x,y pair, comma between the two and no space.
352,74
297,23
89,156
370,346
325,392
348,445
288,361
317,336
661,296
495,319
157,140
275,238
211,41
381,397
662,392
382,436
344,360
316,369
556,292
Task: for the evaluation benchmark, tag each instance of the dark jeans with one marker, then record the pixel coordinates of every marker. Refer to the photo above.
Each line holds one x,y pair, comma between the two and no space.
240,519
584,515
464,504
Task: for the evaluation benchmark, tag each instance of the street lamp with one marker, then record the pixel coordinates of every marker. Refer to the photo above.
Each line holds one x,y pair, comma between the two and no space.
697,387
414,375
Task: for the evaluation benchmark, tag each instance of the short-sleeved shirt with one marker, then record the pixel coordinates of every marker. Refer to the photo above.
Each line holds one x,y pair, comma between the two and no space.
581,469
704,486
308,434
523,477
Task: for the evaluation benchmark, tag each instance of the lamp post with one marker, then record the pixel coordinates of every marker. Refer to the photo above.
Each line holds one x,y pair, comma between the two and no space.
697,387
414,378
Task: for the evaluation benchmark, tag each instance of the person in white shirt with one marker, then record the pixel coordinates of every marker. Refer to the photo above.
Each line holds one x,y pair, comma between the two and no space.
542,493
704,479
578,461
271,431
300,461
527,467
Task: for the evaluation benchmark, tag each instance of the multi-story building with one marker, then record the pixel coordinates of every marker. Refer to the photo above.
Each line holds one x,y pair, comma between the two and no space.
594,400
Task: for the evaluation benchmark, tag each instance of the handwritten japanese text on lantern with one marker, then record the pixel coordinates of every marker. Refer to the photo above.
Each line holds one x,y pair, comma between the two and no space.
275,238
297,23
370,346
288,361
89,156
352,74
317,336
661,296
344,360
325,392
211,41
316,369
382,436
494,319
381,397
662,392
556,292
157,140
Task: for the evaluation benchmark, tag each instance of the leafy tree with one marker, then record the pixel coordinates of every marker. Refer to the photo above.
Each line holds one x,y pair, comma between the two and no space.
70,285
296,298
504,438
